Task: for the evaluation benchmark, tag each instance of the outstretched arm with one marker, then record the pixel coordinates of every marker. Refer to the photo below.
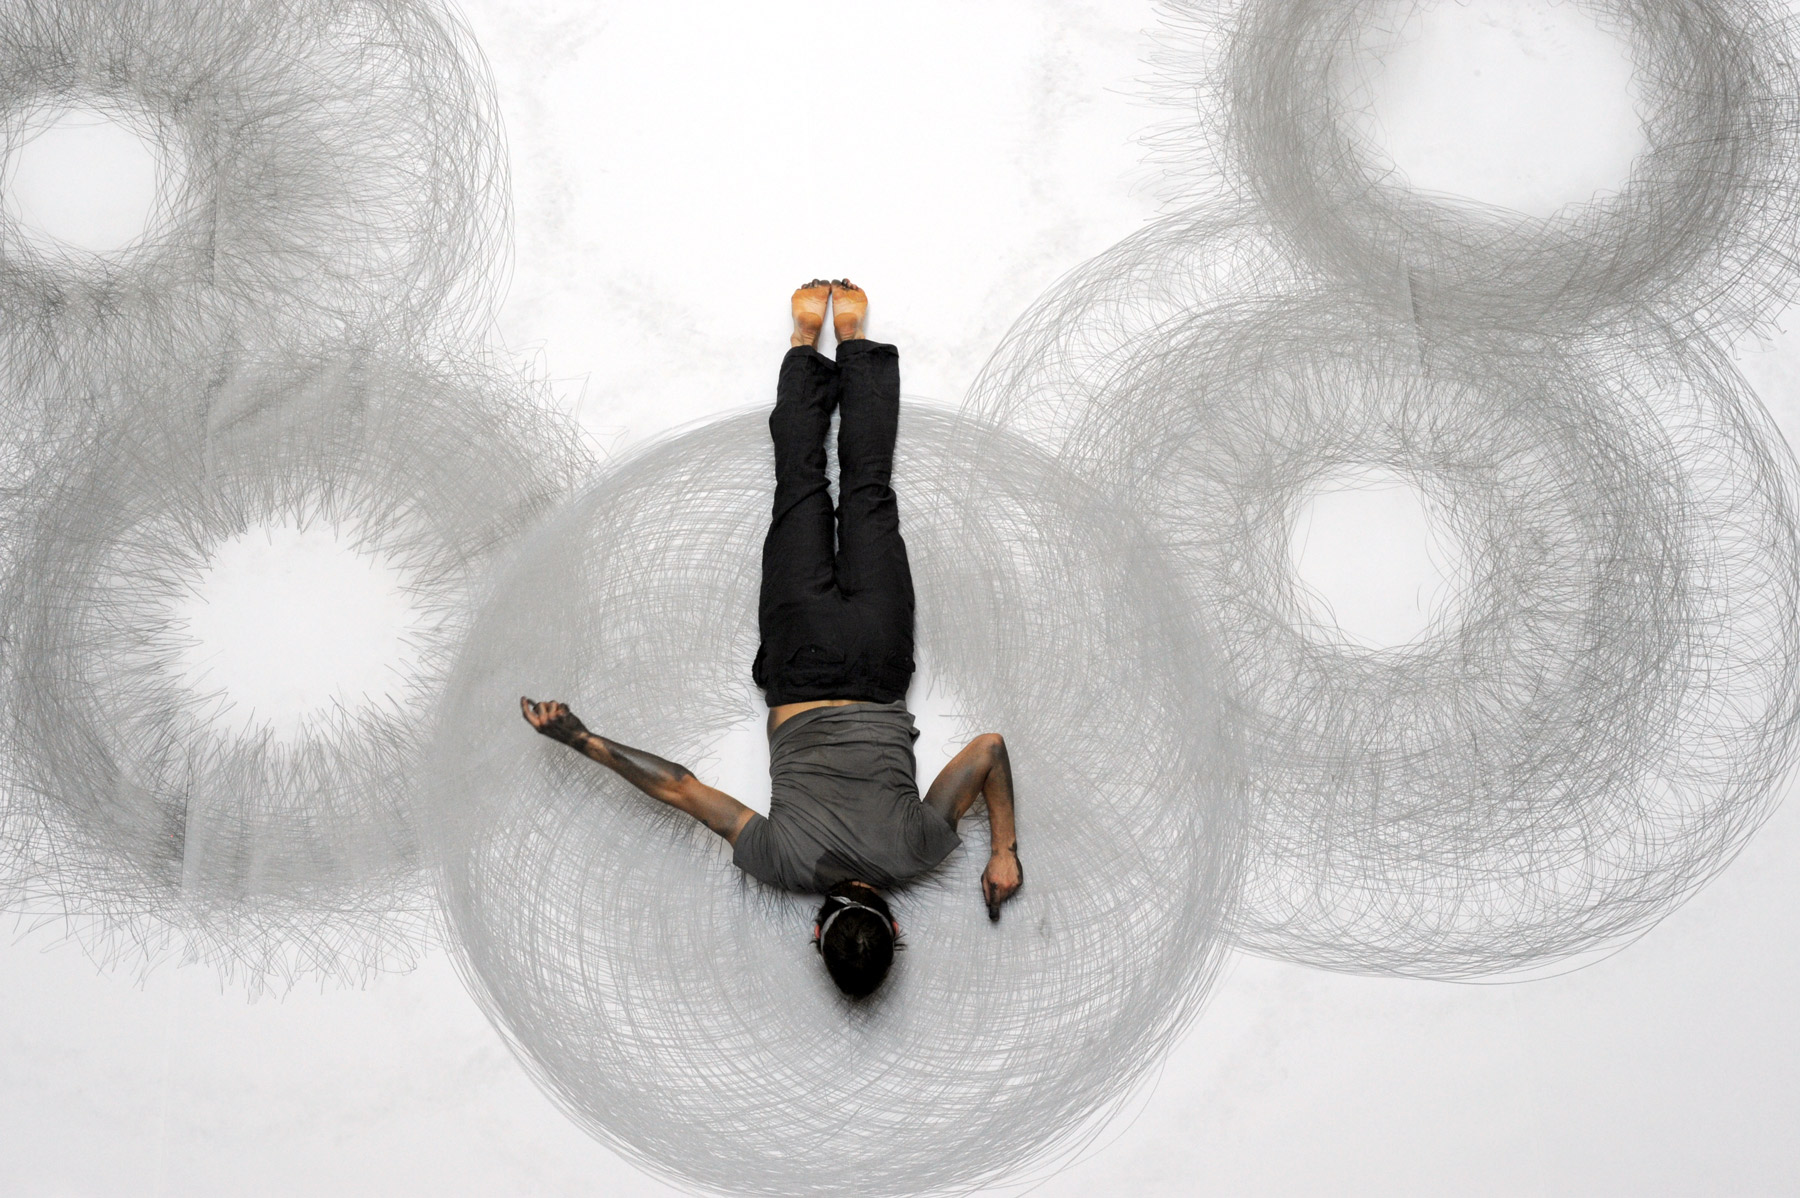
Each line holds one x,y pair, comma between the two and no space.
983,769
672,784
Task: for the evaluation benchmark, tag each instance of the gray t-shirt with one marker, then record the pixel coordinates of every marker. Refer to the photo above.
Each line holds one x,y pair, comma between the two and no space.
843,804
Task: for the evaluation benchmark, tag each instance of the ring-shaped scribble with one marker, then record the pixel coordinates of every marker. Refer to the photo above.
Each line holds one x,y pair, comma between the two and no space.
674,1008
335,172
1708,221
145,813
1594,729
1048,378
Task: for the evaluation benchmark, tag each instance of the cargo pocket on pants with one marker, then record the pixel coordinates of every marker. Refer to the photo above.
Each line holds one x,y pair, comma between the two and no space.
814,665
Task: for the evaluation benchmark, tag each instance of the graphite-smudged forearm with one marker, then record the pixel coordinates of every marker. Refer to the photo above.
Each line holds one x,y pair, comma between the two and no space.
997,790
655,776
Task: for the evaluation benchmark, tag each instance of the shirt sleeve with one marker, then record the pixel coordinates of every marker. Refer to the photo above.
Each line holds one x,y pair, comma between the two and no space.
752,852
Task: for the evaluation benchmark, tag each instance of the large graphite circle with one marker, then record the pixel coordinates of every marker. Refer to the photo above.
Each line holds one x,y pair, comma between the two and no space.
135,811
342,177
674,1008
1594,728
1707,222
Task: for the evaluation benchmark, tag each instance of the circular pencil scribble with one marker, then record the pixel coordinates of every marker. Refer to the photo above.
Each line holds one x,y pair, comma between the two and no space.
1590,730
328,171
150,806
673,1007
1708,221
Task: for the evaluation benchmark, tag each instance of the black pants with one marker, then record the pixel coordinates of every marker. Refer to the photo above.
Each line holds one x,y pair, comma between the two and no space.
836,614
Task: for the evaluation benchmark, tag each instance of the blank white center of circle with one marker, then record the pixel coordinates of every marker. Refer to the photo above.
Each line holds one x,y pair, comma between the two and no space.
289,623
1522,104
1374,567
81,179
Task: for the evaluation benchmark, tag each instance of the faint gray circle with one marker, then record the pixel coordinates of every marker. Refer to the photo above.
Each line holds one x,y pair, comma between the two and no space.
1595,729
674,1008
1708,222
333,169
144,812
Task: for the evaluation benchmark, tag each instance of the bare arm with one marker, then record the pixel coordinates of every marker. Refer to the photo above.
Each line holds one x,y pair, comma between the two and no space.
983,769
663,780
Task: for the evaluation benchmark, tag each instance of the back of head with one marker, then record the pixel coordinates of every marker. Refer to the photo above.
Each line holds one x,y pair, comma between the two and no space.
858,948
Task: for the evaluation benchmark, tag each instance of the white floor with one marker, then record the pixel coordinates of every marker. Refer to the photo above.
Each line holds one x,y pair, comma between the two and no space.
678,168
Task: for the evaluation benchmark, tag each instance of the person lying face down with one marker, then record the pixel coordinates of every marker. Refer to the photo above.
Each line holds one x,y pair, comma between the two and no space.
836,619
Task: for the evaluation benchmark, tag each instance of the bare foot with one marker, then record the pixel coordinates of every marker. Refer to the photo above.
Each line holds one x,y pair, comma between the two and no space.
810,302
849,307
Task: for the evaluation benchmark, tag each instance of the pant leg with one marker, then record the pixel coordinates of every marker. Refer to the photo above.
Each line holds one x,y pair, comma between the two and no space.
873,573
799,559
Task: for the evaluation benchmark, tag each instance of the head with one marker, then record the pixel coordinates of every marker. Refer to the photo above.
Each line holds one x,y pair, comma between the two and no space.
856,934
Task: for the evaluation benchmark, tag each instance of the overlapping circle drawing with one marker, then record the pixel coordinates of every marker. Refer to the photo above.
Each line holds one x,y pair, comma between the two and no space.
1102,548
1595,727
282,346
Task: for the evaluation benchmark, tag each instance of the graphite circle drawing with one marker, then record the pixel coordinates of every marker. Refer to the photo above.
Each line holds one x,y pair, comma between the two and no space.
1594,729
672,1007
1708,221
151,807
1554,760
329,172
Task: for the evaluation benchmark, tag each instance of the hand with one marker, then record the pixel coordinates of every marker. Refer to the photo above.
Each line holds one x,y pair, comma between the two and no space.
1001,880
553,719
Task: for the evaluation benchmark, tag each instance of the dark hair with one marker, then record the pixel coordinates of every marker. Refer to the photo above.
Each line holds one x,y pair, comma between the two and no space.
858,947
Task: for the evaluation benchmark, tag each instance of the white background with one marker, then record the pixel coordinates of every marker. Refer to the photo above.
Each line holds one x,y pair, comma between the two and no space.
679,167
